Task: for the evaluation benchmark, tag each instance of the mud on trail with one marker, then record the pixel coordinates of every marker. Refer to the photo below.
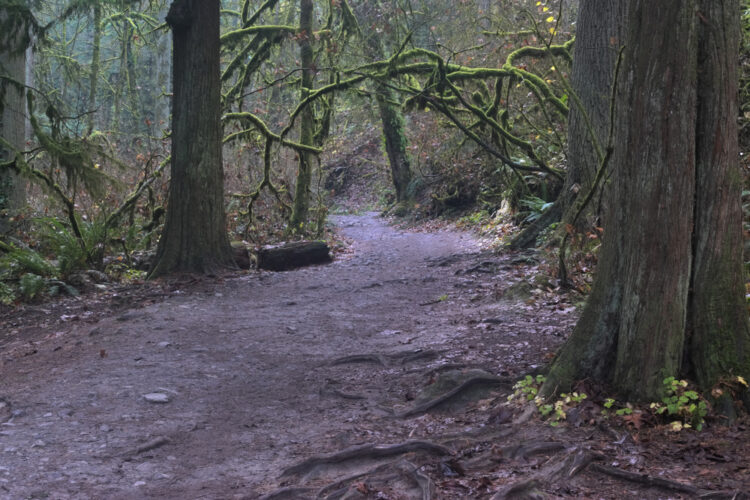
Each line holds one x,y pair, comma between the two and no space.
381,375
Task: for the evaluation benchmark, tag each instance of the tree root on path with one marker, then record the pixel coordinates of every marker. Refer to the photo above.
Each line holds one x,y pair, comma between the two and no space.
382,474
385,360
578,460
428,405
292,493
329,390
527,450
364,452
647,480
572,464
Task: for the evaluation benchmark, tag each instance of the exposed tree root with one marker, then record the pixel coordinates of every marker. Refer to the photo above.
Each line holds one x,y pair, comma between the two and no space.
556,470
292,493
378,359
423,407
382,474
527,450
385,360
646,480
368,451
329,390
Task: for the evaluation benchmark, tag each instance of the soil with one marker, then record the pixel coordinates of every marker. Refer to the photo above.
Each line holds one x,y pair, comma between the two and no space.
383,375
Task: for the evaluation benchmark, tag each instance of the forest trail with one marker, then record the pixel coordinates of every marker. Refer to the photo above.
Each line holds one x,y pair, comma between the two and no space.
399,354
245,366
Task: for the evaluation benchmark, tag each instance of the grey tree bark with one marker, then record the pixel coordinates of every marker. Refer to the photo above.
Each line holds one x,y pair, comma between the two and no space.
13,123
668,298
600,31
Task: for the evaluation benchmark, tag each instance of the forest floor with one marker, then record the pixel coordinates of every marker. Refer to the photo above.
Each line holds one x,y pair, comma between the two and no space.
383,375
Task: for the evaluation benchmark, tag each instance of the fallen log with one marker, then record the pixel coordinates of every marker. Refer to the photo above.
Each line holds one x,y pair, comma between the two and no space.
293,255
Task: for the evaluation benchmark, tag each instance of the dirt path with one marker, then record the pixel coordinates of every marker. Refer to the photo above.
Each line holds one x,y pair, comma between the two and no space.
252,375
241,363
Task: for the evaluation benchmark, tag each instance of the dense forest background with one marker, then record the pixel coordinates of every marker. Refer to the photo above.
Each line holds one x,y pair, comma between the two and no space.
89,83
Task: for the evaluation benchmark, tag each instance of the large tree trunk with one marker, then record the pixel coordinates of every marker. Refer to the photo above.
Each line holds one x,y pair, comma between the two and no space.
717,329
668,299
12,125
600,31
194,237
301,205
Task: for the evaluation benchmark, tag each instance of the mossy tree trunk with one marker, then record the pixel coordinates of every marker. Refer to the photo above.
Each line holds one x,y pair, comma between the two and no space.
301,206
194,238
12,119
392,118
394,134
668,297
95,61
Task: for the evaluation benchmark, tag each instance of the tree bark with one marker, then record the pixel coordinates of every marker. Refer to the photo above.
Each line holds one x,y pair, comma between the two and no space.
667,299
395,141
599,36
12,123
194,238
301,206
94,70
717,322
600,32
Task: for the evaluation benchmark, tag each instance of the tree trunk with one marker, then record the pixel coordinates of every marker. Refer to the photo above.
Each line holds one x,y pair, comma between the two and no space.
668,297
391,117
301,205
717,323
94,72
194,238
395,141
12,126
600,31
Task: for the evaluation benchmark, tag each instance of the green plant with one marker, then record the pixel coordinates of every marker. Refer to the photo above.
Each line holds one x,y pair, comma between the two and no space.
527,388
7,295
71,252
16,261
609,403
678,401
535,207
558,411
30,285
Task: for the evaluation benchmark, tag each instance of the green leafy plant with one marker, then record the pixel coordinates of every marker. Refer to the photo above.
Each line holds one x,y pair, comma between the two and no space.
535,207
71,252
527,389
610,403
685,406
15,261
558,411
30,285
7,295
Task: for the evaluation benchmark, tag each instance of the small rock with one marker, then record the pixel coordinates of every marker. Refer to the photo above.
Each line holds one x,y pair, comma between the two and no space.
105,428
389,332
39,444
138,484
164,344
157,397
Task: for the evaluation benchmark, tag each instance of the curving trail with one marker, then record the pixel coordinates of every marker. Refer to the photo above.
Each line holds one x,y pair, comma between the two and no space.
217,389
